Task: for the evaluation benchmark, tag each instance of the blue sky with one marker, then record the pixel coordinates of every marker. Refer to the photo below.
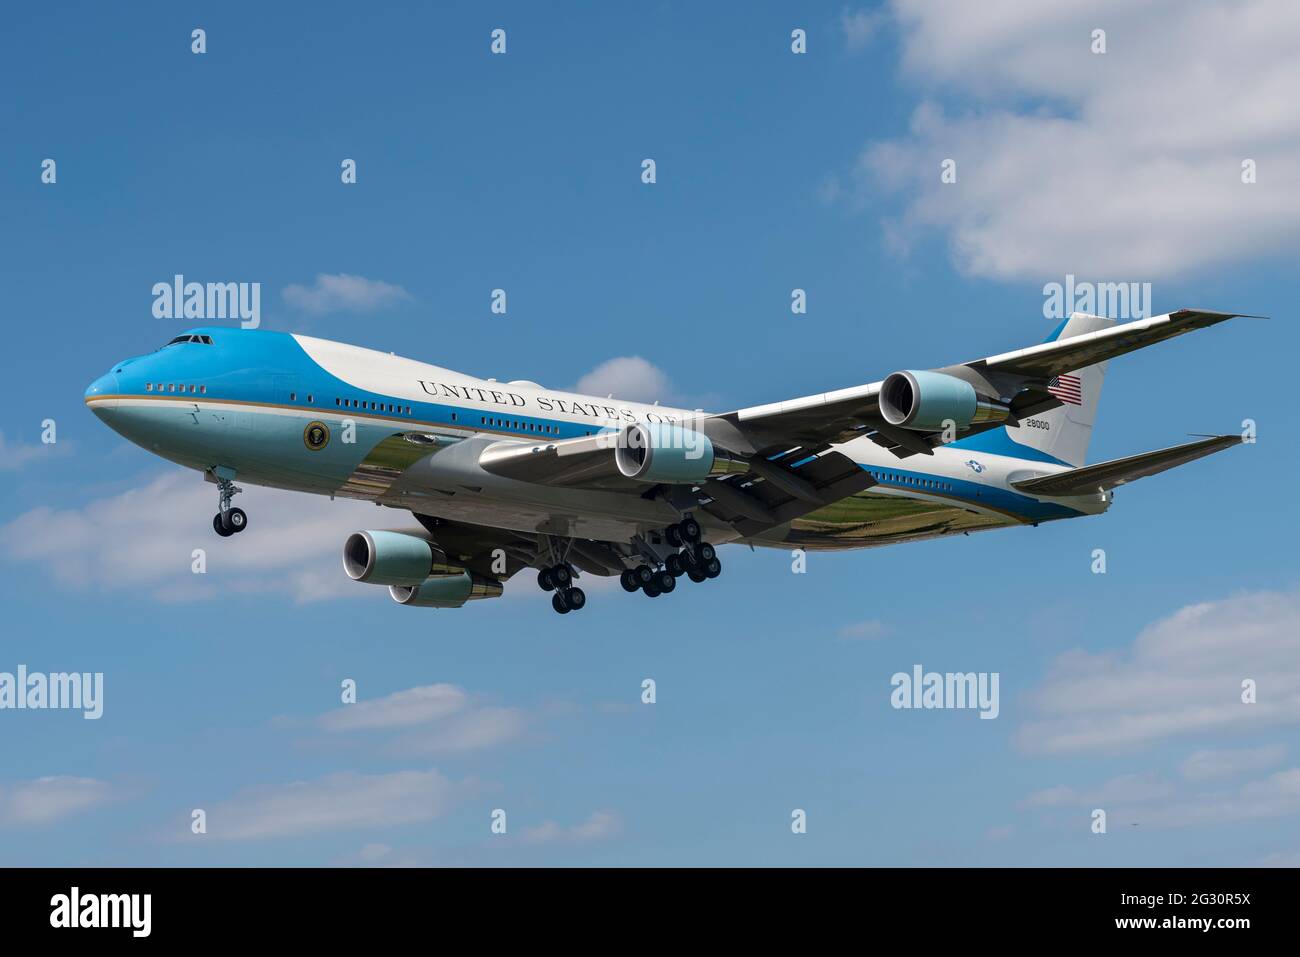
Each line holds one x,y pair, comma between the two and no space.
775,171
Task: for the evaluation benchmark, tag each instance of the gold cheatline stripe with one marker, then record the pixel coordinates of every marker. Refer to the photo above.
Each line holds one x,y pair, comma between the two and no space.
323,410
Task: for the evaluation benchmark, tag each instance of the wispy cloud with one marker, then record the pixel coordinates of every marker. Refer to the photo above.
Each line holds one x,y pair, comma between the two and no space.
48,799
434,719
335,802
1183,674
1231,762
18,455
864,630
343,293
601,825
859,26
144,538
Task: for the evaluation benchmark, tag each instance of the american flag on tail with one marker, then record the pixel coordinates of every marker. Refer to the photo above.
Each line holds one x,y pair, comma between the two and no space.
1067,388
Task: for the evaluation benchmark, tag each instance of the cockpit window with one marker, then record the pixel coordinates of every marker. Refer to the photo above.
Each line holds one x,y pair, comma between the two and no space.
206,340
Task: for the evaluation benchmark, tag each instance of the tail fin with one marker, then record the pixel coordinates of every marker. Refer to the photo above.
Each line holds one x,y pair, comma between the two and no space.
1069,426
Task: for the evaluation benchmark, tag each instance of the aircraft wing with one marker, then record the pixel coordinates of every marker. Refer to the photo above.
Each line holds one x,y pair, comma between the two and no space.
1107,475
813,422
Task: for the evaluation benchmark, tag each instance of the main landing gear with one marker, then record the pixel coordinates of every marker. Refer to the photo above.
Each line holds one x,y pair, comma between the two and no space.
559,579
697,560
228,520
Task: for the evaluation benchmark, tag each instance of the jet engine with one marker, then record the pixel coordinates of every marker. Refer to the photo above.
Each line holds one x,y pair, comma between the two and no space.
659,452
393,558
446,591
927,401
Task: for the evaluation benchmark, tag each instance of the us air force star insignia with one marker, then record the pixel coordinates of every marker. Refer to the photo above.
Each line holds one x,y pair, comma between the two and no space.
316,436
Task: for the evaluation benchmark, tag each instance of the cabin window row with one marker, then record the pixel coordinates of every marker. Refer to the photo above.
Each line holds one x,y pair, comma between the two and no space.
175,387
370,406
897,479
519,426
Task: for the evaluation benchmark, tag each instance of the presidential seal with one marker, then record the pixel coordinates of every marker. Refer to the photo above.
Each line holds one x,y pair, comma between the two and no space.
316,436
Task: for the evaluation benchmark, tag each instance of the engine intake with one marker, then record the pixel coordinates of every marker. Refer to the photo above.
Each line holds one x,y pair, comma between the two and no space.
659,452
446,591
927,401
393,558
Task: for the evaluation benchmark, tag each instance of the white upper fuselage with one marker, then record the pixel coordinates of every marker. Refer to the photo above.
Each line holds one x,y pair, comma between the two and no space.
243,401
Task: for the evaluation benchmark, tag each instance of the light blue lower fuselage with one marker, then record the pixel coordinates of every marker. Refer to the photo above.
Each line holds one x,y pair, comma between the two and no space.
256,404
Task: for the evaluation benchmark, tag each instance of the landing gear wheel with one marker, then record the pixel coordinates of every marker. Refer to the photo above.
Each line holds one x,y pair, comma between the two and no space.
629,580
690,530
674,565
559,604
696,576
545,581
712,568
562,575
575,598
235,520
665,581
651,590
688,558
219,526
644,575
705,553
673,534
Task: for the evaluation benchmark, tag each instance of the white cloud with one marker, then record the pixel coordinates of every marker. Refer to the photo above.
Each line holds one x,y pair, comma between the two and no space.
1125,789
1182,674
601,825
864,630
335,802
343,293
1277,795
626,377
397,710
439,719
17,455
860,26
144,537
1122,166
1231,762
50,798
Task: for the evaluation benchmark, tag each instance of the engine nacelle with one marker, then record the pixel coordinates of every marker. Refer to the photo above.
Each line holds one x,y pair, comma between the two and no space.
392,558
446,591
658,452
927,401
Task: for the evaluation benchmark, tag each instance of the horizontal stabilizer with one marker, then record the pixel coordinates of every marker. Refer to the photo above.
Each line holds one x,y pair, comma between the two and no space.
1108,475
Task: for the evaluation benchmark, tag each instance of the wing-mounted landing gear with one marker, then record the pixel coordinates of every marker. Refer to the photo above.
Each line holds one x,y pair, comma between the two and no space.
559,578
228,520
694,558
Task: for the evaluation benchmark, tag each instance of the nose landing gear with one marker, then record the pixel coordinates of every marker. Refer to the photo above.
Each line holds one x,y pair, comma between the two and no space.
228,520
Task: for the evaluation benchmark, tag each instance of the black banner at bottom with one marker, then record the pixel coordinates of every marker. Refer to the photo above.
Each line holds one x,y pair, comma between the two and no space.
336,906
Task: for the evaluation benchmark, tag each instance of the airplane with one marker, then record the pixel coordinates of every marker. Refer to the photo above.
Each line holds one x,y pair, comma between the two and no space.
507,476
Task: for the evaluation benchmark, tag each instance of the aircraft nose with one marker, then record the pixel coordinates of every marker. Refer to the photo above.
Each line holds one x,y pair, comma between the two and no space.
102,394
